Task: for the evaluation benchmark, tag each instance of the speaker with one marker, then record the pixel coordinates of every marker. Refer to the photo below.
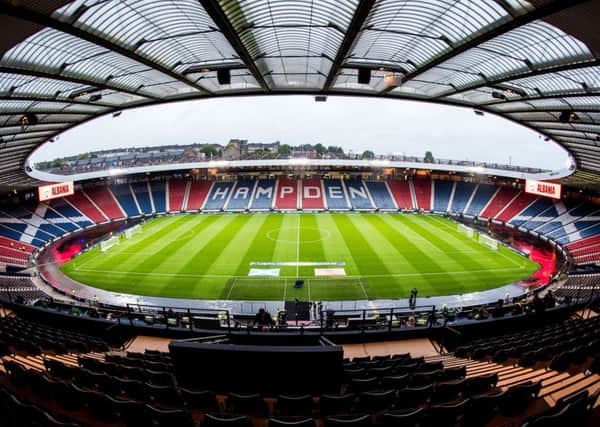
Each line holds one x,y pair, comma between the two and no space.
224,76
364,76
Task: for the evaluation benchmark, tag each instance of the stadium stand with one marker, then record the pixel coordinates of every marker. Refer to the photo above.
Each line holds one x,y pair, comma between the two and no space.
84,205
15,287
39,227
159,196
16,231
580,286
481,199
263,195
555,210
381,195
218,196
125,199
566,218
442,191
241,195
198,192
500,200
516,205
401,192
422,193
46,214
312,194
142,196
335,195
533,210
105,200
463,192
287,194
176,190
61,210
358,194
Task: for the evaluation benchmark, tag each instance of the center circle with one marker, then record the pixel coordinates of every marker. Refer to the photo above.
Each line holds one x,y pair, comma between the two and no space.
290,233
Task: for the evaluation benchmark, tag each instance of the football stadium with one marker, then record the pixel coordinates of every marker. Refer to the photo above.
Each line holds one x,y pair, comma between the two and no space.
218,213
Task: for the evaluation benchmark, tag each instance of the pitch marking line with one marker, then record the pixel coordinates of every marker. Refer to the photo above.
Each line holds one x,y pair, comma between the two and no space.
363,288
230,289
435,273
298,246
512,261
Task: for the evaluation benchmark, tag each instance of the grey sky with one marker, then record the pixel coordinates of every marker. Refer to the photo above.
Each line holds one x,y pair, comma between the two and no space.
357,124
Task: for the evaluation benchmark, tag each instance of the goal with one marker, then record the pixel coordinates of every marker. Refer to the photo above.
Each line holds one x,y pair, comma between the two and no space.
109,243
463,229
130,232
488,241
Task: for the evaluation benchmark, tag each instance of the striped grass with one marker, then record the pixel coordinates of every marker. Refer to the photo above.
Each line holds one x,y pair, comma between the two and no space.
385,255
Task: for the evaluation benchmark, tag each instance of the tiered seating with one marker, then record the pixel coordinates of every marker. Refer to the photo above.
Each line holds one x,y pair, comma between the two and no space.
586,228
105,200
176,194
540,205
441,195
312,195
480,200
47,214
516,205
401,192
13,288
500,200
85,206
219,193
16,231
561,223
335,194
241,195
159,196
287,194
462,194
22,248
13,256
423,193
198,192
142,195
557,209
63,214
22,220
125,198
580,286
381,195
358,194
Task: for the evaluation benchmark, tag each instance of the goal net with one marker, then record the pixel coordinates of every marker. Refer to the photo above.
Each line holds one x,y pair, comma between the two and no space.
130,232
463,229
488,241
109,243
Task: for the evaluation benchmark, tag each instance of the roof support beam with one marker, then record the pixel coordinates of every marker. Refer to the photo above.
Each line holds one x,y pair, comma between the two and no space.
43,98
557,96
41,19
217,14
360,16
76,80
532,73
539,13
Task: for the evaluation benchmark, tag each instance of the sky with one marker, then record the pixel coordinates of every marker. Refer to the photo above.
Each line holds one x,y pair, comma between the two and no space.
354,123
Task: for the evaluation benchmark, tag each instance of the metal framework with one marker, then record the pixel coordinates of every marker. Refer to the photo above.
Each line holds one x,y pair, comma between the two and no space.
520,59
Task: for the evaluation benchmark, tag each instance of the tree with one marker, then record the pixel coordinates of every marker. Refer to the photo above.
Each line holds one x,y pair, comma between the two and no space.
368,155
284,149
428,157
320,149
209,150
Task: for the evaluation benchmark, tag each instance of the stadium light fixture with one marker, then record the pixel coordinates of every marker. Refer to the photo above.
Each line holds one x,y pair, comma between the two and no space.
392,80
376,162
116,171
218,163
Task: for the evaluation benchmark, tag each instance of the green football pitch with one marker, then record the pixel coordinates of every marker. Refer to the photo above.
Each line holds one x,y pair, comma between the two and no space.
379,255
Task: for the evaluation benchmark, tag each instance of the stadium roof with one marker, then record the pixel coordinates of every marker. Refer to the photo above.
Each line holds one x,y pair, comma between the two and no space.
63,63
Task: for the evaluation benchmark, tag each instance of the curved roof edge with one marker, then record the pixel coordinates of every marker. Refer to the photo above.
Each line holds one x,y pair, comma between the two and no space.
301,163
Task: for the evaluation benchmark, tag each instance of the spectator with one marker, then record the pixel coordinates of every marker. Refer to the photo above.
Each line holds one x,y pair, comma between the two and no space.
263,319
538,305
549,300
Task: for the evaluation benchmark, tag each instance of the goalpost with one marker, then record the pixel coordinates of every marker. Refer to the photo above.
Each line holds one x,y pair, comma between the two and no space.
463,229
488,241
130,232
109,243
